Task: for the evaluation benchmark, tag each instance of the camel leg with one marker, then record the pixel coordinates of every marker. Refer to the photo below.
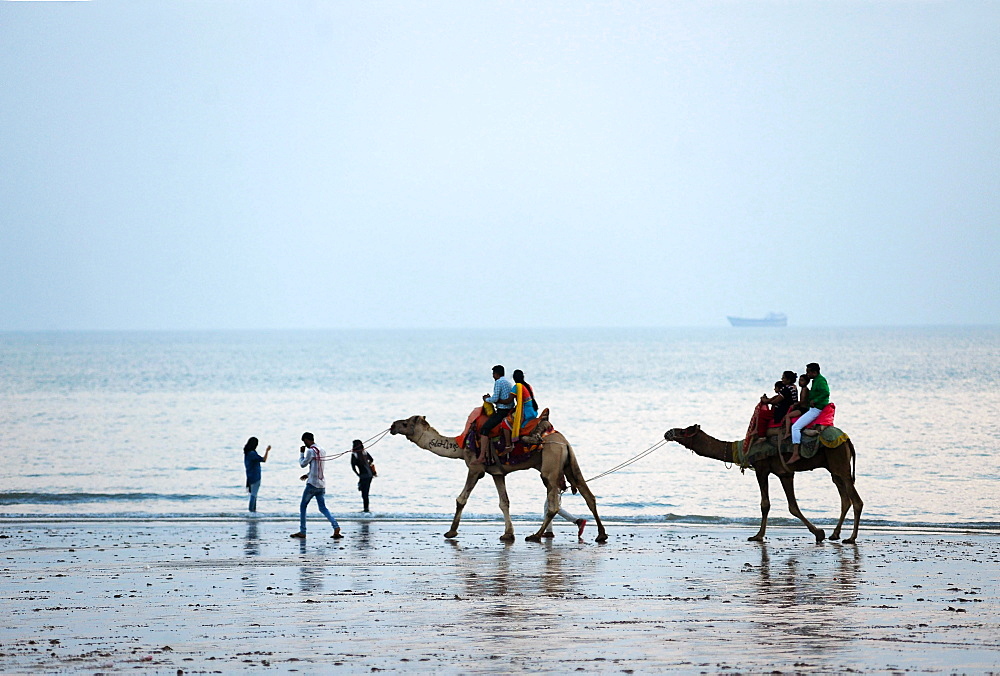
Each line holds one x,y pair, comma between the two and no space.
553,459
845,503
575,477
843,476
765,505
501,484
470,482
859,504
581,485
788,483
552,503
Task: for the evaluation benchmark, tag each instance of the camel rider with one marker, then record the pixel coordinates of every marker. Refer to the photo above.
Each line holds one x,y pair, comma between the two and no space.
525,408
784,398
503,404
819,398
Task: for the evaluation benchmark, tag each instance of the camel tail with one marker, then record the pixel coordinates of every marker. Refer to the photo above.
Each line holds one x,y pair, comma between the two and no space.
854,458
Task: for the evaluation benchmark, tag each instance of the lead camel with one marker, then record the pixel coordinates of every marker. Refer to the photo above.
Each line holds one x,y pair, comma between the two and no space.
554,461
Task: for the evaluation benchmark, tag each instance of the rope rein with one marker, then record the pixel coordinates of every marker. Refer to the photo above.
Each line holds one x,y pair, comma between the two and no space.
367,444
631,460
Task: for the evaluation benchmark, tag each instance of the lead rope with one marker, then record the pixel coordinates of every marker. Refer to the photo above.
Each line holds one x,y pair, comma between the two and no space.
631,460
367,444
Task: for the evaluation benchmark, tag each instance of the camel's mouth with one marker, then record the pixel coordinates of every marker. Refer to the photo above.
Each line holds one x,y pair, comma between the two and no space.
404,427
679,433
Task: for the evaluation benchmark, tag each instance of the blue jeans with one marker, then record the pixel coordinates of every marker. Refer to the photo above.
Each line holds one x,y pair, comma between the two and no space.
308,494
254,487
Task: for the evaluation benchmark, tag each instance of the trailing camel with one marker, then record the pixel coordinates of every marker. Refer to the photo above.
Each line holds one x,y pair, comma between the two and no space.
839,461
554,461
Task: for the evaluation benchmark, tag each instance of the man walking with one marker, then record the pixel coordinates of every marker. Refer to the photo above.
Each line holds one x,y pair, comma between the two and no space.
312,455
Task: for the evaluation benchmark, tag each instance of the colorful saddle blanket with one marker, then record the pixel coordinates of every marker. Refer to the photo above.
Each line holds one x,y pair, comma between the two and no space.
521,453
476,420
831,437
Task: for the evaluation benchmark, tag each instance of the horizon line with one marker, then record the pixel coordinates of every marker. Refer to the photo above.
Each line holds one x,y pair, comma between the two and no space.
761,329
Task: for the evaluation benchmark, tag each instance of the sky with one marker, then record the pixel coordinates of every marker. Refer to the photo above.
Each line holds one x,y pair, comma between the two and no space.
282,164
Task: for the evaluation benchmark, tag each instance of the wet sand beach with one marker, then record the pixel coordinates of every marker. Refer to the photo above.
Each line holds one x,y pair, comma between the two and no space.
217,596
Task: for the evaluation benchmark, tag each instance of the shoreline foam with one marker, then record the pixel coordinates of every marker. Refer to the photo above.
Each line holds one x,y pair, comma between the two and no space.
527,520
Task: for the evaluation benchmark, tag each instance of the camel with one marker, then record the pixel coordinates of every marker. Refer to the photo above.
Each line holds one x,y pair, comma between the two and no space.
839,461
555,460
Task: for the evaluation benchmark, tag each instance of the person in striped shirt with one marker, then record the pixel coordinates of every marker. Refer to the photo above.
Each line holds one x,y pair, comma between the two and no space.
311,456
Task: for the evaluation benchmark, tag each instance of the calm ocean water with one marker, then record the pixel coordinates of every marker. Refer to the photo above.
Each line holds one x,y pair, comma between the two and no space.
153,424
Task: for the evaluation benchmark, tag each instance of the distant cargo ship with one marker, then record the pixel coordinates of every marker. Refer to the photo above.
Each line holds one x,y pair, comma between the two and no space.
772,319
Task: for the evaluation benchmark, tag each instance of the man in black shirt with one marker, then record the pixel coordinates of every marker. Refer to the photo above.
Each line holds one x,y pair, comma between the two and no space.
788,397
785,397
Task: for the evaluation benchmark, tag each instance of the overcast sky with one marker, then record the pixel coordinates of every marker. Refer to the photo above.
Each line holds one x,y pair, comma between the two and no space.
277,164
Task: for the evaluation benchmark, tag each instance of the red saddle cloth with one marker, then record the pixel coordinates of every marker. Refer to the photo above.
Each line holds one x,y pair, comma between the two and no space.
763,419
825,417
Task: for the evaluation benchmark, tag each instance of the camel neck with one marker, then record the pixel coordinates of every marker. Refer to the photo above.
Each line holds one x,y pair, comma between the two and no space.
430,440
710,447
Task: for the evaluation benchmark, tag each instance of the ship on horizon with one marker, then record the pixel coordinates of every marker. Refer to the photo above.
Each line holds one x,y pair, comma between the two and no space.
772,319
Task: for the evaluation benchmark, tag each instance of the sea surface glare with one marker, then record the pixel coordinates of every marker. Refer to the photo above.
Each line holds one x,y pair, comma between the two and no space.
153,424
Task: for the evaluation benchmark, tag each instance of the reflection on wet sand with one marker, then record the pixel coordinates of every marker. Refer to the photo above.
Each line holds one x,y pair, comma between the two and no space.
311,577
486,574
361,538
654,600
514,597
251,545
553,579
804,598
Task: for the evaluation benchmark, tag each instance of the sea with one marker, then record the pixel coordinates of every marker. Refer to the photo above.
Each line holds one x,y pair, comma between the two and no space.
151,425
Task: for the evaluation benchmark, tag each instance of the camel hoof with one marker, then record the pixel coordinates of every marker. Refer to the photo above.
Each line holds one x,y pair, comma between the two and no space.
835,536
603,537
451,534
820,535
533,538
849,541
507,537
755,538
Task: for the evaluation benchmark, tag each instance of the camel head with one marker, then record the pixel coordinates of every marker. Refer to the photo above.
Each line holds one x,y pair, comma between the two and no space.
677,433
409,426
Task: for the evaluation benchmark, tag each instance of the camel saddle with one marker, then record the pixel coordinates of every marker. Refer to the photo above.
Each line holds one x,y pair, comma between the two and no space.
527,443
478,418
828,437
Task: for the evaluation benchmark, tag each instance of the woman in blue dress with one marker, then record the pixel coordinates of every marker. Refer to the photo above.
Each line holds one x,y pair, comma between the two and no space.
251,462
